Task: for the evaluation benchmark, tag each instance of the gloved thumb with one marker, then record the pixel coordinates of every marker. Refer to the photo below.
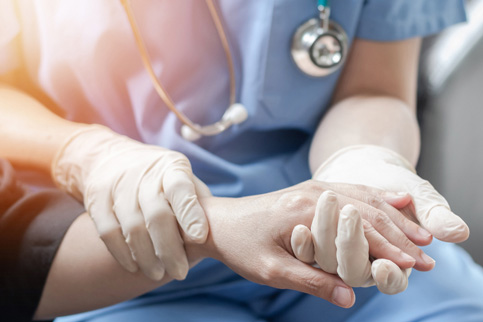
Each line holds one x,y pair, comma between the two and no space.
434,214
389,278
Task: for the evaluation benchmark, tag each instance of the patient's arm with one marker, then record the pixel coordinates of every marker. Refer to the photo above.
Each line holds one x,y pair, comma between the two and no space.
84,276
251,235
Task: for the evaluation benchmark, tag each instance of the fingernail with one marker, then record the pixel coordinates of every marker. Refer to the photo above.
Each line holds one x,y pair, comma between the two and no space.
423,232
342,296
157,274
198,233
427,259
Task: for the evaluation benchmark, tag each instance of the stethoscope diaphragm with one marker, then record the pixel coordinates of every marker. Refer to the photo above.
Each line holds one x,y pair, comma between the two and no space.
319,46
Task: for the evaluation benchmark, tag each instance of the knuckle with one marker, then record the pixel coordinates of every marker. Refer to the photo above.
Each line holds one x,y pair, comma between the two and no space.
313,185
368,228
180,184
315,284
271,270
407,244
361,187
379,219
373,201
297,202
380,243
178,159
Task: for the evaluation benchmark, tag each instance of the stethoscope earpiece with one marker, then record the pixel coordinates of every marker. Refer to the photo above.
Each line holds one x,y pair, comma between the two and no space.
235,114
319,46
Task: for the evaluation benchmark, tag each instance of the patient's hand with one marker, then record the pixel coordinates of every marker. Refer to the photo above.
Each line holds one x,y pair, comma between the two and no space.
337,243
252,235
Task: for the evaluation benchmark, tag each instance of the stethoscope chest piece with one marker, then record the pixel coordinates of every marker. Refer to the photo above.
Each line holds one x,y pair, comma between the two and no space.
319,50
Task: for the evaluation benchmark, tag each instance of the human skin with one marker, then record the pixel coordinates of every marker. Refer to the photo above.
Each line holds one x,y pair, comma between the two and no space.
31,137
255,243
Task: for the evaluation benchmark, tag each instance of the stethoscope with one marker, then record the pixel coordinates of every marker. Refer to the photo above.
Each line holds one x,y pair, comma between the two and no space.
318,48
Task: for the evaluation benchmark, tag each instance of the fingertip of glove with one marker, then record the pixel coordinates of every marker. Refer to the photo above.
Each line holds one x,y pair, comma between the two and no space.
198,232
447,226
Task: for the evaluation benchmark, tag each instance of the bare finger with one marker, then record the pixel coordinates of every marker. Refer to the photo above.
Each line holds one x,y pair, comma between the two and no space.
380,247
291,273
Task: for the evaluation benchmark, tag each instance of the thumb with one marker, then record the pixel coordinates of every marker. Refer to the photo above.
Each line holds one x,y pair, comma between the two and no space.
389,278
302,244
301,277
434,214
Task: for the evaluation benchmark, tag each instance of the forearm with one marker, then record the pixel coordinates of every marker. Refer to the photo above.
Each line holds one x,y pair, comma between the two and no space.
84,275
30,134
376,120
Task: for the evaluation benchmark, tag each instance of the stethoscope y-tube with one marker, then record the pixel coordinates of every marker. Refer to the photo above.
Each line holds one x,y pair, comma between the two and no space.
319,48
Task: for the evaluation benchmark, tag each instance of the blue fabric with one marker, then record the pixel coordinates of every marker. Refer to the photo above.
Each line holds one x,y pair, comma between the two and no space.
451,292
284,107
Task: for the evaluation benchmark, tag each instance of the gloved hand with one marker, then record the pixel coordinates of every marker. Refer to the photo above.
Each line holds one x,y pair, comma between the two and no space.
384,169
136,194
336,242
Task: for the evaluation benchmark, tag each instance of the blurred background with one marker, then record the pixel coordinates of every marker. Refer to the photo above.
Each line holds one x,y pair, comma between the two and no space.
450,107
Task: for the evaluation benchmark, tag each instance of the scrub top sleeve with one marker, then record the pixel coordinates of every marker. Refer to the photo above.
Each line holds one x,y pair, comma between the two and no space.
383,20
9,34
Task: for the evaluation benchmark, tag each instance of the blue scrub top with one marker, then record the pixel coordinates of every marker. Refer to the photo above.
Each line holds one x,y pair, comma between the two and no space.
270,150
284,105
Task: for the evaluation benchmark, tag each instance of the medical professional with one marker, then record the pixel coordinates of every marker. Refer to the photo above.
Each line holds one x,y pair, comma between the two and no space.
81,61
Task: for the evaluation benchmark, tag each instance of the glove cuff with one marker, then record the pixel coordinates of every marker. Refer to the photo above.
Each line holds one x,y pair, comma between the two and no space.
368,152
70,163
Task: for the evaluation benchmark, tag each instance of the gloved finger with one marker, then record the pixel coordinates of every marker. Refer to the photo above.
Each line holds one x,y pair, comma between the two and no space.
380,247
302,245
371,198
202,190
389,278
99,206
434,214
290,273
163,228
352,249
180,191
386,233
131,219
324,231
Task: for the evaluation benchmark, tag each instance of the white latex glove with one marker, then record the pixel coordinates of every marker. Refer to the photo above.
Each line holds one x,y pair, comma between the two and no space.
384,169
338,245
136,195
